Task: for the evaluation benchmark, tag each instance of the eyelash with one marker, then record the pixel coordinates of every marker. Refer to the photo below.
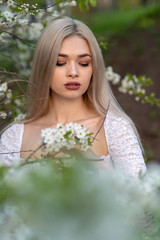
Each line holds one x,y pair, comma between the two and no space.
60,64
81,64
84,64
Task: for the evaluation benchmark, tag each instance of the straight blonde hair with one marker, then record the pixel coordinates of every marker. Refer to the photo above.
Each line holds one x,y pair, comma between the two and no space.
99,93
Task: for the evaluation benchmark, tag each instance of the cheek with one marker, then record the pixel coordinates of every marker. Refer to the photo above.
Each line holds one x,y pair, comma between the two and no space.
56,78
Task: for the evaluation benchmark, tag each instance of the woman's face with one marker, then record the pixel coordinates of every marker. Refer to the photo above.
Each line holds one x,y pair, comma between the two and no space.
73,70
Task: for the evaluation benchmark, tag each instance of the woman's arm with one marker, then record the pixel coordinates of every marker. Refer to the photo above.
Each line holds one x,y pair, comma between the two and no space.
123,146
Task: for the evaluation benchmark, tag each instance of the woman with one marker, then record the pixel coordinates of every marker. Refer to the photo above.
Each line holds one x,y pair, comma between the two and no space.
68,84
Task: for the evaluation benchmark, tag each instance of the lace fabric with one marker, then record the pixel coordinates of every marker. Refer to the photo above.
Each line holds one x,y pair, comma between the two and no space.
123,146
124,150
10,144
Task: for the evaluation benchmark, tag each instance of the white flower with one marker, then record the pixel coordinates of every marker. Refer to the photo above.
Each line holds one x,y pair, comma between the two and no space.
74,3
143,91
66,136
56,14
18,102
3,114
2,94
84,147
131,84
122,89
61,132
69,126
61,4
46,131
3,87
80,133
137,98
130,92
109,75
10,3
59,125
116,78
9,16
9,94
34,31
77,126
20,117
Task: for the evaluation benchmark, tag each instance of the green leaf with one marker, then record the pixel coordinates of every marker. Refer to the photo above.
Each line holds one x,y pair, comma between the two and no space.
93,2
83,4
67,134
89,142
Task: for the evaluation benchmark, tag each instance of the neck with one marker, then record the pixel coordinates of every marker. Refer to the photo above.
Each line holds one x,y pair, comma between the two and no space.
64,111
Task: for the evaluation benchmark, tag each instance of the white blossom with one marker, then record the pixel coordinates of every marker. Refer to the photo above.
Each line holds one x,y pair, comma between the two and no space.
34,31
74,3
111,76
137,98
67,136
10,3
3,87
3,114
2,94
9,16
18,102
80,133
9,94
122,89
20,117
116,78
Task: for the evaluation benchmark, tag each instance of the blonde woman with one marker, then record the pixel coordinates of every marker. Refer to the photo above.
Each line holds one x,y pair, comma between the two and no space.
68,84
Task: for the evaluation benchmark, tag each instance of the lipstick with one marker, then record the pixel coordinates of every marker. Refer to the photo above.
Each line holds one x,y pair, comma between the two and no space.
72,85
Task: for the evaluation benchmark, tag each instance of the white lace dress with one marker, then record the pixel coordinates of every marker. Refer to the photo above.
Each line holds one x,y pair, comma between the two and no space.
123,147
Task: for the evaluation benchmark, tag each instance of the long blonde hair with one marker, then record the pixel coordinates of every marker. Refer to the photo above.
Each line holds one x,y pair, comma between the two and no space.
98,94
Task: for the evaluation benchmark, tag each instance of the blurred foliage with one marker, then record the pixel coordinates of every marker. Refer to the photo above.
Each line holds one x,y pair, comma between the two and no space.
125,4
117,22
79,201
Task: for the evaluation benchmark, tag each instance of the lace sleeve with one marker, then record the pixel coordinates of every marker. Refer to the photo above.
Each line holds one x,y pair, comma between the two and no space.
123,146
10,144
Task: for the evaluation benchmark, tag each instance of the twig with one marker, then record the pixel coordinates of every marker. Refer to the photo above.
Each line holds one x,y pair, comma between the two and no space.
15,152
21,39
28,158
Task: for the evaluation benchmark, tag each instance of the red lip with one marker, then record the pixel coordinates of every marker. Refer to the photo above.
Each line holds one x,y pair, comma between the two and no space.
72,85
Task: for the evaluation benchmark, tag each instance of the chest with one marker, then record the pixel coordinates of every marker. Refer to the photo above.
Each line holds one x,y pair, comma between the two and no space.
32,136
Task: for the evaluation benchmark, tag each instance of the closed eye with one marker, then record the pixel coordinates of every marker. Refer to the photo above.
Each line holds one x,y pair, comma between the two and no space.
60,64
84,64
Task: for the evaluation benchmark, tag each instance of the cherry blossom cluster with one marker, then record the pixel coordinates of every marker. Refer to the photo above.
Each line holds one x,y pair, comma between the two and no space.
25,22
11,105
112,76
65,137
6,94
133,85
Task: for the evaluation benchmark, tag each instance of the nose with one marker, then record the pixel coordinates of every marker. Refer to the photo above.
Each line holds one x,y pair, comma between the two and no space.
72,70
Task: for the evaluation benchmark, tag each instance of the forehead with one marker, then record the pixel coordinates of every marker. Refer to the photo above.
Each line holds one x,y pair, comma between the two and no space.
74,45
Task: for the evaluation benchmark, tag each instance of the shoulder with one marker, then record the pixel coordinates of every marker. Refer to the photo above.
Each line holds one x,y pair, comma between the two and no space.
12,131
114,123
12,135
120,130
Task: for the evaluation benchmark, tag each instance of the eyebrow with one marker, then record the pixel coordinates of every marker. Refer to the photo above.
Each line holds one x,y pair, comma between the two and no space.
79,56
